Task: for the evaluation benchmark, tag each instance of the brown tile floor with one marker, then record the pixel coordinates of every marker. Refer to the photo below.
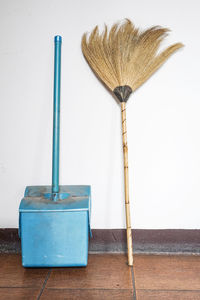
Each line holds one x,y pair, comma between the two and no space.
107,276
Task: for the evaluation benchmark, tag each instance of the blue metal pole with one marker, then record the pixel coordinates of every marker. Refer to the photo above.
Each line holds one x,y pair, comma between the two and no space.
56,118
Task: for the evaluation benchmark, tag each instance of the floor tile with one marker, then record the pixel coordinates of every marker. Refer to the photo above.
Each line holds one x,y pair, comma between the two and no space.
167,295
167,272
62,294
108,271
12,274
19,293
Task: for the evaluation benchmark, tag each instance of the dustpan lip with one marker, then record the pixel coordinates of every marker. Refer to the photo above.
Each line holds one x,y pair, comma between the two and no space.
79,199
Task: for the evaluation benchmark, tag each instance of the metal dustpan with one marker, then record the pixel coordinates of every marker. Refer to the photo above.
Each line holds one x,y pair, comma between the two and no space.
54,221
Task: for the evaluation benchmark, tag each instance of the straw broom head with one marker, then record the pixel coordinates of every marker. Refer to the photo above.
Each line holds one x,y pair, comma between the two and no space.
125,57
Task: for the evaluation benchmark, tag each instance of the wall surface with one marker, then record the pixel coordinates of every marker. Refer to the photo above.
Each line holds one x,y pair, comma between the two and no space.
163,115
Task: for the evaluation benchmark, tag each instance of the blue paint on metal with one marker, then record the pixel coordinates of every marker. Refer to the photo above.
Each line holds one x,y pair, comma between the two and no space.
35,200
55,234
56,118
54,239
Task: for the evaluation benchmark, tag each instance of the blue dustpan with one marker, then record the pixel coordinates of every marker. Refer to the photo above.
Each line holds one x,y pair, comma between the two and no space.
54,221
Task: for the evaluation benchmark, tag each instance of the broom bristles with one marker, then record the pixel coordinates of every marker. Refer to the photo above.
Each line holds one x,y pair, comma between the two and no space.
125,55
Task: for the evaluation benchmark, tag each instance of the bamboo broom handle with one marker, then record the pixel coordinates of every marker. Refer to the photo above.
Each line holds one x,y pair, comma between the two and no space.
126,185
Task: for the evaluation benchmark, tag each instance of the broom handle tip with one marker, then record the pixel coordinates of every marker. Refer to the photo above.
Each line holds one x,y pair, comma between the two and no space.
58,39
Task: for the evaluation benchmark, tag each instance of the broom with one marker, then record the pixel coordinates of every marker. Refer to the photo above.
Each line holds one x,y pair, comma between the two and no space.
123,59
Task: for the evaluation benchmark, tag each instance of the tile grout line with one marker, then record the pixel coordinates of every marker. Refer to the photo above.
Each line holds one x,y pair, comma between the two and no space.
133,281
168,290
44,284
87,289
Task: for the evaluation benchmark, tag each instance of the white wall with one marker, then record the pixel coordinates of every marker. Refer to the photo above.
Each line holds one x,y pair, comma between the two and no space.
163,115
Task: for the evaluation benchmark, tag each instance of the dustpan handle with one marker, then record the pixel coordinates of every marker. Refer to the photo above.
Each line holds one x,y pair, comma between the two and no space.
56,116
